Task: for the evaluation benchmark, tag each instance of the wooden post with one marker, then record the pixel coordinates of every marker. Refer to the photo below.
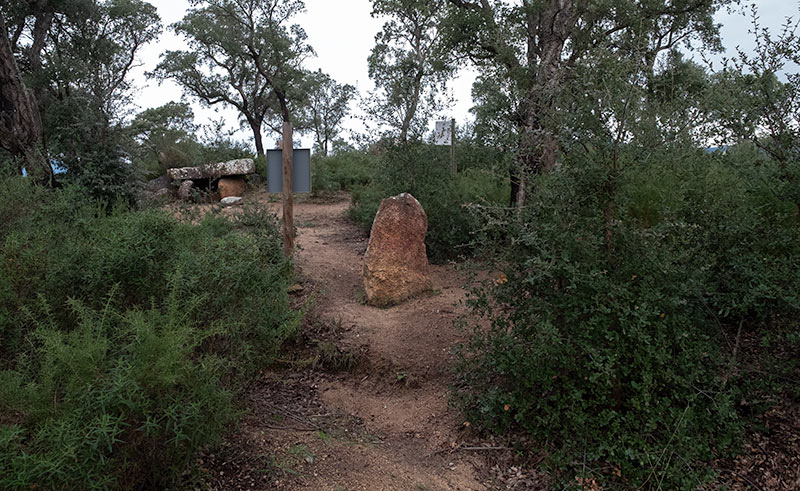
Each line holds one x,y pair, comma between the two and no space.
453,146
288,203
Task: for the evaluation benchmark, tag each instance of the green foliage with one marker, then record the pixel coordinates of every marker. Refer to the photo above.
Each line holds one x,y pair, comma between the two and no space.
219,145
164,138
424,171
408,67
120,400
244,55
126,335
342,171
88,91
756,100
329,104
607,341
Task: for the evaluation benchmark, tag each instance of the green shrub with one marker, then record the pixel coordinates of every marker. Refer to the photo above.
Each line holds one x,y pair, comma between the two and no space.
126,335
606,342
424,171
343,171
122,400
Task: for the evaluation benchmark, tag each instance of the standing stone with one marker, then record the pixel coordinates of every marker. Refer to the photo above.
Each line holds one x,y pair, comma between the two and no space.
231,186
396,264
185,191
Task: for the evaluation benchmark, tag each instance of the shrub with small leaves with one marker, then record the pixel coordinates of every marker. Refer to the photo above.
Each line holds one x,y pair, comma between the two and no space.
125,336
424,171
609,339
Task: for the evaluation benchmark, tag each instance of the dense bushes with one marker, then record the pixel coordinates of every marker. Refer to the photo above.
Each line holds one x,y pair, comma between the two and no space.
424,171
343,171
125,336
612,339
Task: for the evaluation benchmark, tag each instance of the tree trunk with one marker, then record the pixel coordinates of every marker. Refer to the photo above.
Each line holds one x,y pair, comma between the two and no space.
20,121
256,127
513,174
411,111
322,145
551,27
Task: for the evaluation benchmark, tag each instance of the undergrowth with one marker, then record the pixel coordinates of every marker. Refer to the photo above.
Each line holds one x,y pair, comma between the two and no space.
126,336
449,201
613,342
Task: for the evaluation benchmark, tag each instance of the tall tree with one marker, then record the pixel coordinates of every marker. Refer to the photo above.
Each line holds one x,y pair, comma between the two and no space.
75,57
407,65
329,104
89,92
20,120
244,54
535,45
164,137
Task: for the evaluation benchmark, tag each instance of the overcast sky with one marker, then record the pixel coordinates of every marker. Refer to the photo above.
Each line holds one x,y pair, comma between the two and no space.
342,32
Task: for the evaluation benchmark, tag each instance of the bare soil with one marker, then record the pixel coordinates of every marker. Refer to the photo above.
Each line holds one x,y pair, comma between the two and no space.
384,422
362,400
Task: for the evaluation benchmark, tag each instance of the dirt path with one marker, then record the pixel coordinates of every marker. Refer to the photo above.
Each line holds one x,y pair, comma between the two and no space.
383,426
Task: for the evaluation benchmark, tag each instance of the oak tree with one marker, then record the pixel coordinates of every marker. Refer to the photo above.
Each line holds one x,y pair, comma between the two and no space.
534,45
407,65
244,54
329,105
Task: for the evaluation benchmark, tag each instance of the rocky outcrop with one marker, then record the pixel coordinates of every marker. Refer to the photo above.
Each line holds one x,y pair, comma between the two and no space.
155,190
231,186
396,263
239,167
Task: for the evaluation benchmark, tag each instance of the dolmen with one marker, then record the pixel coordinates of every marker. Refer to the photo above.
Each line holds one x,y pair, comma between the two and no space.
230,177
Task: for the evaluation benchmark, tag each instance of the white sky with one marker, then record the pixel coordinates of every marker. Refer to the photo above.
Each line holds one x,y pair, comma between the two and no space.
342,32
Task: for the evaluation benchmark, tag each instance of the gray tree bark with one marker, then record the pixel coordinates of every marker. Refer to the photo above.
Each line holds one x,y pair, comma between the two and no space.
20,121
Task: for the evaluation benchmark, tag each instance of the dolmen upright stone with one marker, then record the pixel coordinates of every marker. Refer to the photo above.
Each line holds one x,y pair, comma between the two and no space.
186,190
231,186
396,263
240,167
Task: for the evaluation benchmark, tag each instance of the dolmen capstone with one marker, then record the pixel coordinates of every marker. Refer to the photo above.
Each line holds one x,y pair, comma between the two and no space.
396,263
240,167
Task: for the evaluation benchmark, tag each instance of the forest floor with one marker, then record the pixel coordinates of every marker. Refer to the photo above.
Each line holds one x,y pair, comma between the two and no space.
361,400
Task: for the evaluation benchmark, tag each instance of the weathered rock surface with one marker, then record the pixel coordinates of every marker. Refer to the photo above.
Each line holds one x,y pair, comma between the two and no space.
396,263
231,186
231,201
155,190
185,191
239,167
158,184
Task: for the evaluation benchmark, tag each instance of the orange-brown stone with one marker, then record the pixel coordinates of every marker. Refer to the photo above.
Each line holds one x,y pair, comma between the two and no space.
231,186
396,263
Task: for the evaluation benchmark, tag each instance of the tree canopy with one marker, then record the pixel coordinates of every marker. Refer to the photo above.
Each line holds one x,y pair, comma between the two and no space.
244,54
408,66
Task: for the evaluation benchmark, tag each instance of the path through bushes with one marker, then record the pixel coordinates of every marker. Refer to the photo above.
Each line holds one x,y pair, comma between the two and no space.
374,413
360,400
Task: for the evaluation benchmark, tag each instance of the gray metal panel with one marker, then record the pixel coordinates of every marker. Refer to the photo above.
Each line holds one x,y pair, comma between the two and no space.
301,170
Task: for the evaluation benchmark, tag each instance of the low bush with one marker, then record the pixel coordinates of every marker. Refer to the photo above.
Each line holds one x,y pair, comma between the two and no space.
611,335
424,171
126,335
342,171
